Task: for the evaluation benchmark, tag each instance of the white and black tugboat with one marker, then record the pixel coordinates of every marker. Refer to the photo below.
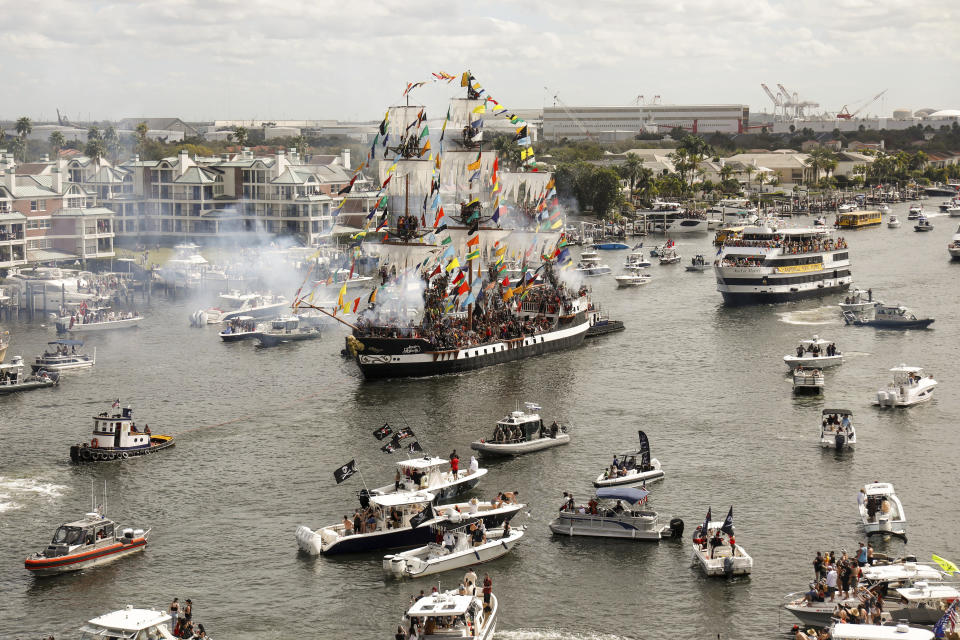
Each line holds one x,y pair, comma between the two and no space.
13,379
117,437
627,469
765,264
89,541
522,432
61,355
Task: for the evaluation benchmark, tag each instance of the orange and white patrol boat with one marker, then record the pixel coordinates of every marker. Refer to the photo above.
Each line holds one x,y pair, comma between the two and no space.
117,437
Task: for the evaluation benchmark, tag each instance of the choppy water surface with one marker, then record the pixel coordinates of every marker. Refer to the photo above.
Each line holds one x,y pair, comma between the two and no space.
704,381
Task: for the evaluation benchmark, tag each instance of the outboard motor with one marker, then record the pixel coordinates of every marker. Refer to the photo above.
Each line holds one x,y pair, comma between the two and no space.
676,528
840,440
364,496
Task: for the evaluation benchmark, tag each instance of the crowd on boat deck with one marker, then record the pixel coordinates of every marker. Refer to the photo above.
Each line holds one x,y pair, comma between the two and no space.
508,434
62,350
874,504
834,423
624,466
419,627
92,316
593,507
241,326
839,579
103,285
181,621
742,261
714,542
810,245
814,350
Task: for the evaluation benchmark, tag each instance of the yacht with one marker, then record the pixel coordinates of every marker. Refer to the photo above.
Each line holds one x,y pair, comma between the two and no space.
881,511
779,265
117,437
139,624
61,355
287,329
606,517
808,380
458,549
859,300
625,470
893,222
233,305
670,218
953,248
836,429
522,432
635,261
847,207
716,556
432,474
87,542
907,388
12,378
888,316
813,353
698,263
923,224
637,279
452,615
184,268
60,285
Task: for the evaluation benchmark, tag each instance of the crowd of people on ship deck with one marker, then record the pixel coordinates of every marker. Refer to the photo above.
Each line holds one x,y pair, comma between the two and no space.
181,621
839,579
807,245
624,466
61,350
506,433
837,423
816,351
241,326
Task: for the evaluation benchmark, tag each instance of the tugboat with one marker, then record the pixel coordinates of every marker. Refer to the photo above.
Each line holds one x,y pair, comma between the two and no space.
92,540
522,432
13,380
116,437
61,355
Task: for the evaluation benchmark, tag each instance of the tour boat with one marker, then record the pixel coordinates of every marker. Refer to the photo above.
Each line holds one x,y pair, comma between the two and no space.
859,300
606,517
627,280
592,269
893,222
669,255
953,248
716,556
233,305
522,432
625,469
63,356
433,474
881,511
452,615
240,328
437,556
287,329
635,261
808,380
698,263
768,264
12,378
402,520
923,224
836,429
907,388
90,320
900,631
887,316
813,355
131,623
117,437
87,542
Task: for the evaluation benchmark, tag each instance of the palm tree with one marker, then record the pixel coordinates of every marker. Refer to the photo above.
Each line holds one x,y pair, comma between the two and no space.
241,134
95,150
301,143
749,169
19,148
631,169
57,141
24,126
112,141
141,135
94,133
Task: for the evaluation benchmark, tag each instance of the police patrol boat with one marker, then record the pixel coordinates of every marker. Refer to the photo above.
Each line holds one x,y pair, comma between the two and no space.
522,432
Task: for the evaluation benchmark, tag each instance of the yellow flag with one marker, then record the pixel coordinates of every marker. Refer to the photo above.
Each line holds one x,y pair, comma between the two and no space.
945,564
438,161
465,79
450,267
480,108
426,148
473,166
343,292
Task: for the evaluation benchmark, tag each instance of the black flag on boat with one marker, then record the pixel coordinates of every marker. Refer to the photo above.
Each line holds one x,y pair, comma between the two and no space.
403,433
415,447
345,471
421,517
706,524
390,447
644,451
727,527
383,431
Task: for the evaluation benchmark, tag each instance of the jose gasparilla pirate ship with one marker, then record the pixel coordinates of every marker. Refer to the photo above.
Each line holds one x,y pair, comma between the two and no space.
117,437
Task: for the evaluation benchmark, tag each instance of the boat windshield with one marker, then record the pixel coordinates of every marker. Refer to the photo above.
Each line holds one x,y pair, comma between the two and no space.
68,535
100,633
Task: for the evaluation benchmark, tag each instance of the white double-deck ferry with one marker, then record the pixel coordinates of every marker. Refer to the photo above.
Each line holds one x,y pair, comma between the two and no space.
778,265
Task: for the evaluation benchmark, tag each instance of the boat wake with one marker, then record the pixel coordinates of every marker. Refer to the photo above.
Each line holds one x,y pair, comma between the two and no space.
12,490
553,634
820,315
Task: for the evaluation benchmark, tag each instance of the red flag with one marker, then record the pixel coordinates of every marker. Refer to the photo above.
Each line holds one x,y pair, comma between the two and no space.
463,288
473,241
356,303
506,281
439,215
435,271
458,278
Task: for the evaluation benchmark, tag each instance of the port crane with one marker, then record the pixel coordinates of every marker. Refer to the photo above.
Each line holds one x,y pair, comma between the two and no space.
844,113
575,119
776,99
792,101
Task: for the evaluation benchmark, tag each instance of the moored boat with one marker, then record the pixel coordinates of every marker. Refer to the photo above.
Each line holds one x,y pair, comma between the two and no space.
117,437
62,355
626,469
605,516
716,556
458,545
522,432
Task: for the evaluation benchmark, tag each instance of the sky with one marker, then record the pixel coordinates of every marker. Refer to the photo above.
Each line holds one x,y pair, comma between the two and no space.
348,60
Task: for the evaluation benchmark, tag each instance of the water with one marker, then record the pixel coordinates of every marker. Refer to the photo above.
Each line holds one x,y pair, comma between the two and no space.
704,381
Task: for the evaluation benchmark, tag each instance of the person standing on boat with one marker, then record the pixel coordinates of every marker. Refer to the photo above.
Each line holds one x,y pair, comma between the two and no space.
474,465
470,579
174,614
487,591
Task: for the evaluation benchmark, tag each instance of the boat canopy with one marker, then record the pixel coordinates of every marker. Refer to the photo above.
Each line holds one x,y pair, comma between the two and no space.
69,343
905,369
903,571
842,412
401,499
879,489
816,340
843,631
629,494
446,604
922,591
130,619
424,463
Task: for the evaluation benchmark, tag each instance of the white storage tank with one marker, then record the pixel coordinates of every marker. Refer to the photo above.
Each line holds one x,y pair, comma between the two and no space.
902,114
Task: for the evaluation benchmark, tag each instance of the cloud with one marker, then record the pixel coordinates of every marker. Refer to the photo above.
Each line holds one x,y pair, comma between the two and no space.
201,59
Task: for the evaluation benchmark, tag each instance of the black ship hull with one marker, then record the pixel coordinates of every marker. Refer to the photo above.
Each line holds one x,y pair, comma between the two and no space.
742,298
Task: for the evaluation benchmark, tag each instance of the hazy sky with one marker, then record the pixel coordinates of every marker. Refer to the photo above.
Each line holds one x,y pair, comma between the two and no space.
280,59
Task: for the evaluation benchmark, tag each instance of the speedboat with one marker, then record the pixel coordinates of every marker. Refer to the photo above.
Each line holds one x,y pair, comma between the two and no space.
907,388
240,328
808,380
62,355
610,246
129,623
592,269
888,316
117,437
400,520
813,353
900,631
859,300
847,207
606,517
456,551
883,207
430,473
669,256
716,556
89,320
893,222
87,542
233,305
916,212
836,429
625,469
820,222
923,603
881,511
635,261
287,329
522,432
637,279
698,263
12,378
923,224
452,615
954,246
953,210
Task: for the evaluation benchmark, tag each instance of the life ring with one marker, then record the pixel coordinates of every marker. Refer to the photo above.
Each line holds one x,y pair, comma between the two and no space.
94,443
124,455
